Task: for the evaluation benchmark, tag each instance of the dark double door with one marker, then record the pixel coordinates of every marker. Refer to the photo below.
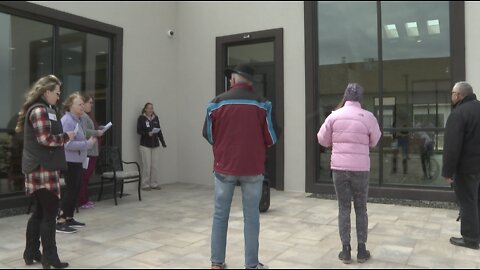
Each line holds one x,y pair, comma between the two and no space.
264,85
267,82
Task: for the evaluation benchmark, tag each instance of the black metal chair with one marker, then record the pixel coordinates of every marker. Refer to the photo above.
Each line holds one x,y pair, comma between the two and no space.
111,166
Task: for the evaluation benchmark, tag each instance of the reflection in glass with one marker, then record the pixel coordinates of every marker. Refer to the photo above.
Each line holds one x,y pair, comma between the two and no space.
416,76
250,53
83,62
347,52
423,29
26,54
414,100
413,158
20,65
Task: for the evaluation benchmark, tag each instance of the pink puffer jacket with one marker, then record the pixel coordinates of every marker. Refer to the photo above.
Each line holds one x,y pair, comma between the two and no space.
351,131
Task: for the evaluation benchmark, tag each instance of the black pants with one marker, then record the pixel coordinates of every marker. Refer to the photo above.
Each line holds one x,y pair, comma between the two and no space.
425,157
348,185
42,225
73,183
467,190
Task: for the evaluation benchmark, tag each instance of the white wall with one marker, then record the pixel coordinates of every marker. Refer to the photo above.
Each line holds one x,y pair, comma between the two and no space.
472,39
178,74
149,68
198,24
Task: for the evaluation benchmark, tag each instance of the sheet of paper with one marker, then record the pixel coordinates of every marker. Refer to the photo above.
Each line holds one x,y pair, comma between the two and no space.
107,126
85,163
76,129
155,130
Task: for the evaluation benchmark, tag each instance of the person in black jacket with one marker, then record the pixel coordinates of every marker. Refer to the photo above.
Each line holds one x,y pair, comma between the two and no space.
461,157
148,126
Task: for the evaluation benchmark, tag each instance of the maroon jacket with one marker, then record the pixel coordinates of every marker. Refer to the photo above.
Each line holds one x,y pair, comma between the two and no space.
239,126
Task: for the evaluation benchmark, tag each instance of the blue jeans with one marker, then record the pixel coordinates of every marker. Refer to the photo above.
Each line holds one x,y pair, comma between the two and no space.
251,195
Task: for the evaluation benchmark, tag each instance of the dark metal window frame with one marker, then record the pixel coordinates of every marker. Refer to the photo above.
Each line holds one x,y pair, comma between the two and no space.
62,19
457,54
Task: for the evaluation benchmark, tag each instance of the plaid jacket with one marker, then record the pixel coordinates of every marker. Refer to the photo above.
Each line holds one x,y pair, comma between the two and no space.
42,178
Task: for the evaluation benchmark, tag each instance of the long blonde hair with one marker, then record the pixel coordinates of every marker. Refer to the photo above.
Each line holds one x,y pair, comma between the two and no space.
47,83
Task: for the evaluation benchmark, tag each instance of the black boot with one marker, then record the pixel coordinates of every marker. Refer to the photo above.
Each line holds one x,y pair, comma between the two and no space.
345,255
57,265
363,254
50,255
30,258
32,248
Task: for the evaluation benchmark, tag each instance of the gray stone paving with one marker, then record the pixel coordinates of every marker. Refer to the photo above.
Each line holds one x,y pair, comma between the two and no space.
171,227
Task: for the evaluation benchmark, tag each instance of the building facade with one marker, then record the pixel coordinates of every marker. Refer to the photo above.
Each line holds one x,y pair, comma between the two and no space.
407,56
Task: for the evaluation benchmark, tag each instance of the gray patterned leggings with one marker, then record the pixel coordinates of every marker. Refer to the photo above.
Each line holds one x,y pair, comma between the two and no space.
350,184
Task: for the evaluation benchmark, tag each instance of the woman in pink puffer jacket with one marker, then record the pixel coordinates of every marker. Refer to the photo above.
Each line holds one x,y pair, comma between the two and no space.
351,131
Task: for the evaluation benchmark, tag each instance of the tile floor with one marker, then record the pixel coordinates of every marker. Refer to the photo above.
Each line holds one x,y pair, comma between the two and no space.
171,227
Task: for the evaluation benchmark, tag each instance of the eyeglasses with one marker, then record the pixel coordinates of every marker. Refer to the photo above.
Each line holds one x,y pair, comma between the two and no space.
453,92
57,93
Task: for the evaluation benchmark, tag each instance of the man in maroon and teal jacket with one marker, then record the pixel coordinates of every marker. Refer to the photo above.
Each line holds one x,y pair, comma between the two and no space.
240,128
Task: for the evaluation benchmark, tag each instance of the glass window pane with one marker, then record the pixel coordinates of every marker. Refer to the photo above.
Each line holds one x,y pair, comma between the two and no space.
21,63
416,61
413,158
347,52
84,67
250,53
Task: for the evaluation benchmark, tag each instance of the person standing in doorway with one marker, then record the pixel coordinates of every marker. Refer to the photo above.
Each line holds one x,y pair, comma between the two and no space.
461,157
148,126
43,158
75,154
351,131
90,127
239,126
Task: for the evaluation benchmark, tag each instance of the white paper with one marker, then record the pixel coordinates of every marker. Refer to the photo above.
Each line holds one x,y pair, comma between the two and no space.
155,130
107,126
76,129
85,163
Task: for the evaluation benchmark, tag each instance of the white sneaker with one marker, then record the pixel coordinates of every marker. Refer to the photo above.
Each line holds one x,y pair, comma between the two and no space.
259,266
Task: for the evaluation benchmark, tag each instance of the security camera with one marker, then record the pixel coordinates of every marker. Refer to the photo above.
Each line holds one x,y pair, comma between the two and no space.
170,33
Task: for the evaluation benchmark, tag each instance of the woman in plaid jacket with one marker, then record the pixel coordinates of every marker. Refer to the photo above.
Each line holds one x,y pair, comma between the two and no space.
43,158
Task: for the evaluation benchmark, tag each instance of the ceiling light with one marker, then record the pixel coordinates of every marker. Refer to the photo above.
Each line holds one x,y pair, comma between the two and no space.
433,27
391,30
412,29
